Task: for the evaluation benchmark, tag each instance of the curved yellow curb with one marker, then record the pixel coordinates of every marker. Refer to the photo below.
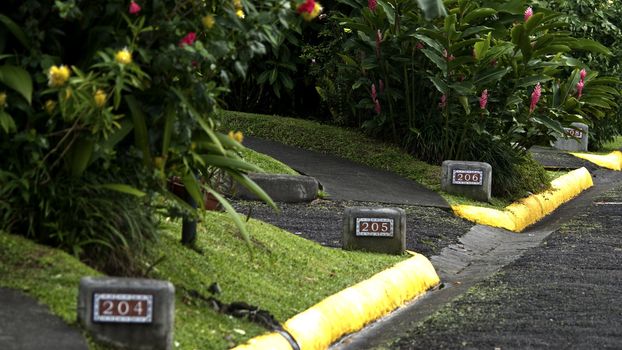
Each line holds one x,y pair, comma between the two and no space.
517,216
352,308
611,161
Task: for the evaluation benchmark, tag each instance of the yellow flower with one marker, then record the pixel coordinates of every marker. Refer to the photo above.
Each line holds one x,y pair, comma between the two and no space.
2,99
236,136
57,76
123,56
240,13
317,9
208,21
50,106
100,98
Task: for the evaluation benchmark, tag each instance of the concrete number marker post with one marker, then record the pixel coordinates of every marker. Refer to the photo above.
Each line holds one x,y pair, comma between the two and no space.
576,140
469,179
130,313
380,230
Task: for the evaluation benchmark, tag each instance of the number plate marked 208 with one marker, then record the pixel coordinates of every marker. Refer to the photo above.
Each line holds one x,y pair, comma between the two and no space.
374,227
122,308
467,177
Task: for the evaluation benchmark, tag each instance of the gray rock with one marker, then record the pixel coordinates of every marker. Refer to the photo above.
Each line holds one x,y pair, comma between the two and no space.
281,188
576,139
379,230
129,313
470,179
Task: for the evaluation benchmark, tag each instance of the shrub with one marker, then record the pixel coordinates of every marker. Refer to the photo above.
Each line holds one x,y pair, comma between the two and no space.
487,80
118,96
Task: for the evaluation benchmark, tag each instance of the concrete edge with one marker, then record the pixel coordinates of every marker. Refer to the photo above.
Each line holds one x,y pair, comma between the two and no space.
519,215
352,308
611,161
281,187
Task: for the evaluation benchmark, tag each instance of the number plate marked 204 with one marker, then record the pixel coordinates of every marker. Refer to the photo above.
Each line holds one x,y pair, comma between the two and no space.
122,308
374,227
467,177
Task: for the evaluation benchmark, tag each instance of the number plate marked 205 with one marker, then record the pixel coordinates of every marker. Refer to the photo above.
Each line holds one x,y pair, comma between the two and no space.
122,308
374,227
467,177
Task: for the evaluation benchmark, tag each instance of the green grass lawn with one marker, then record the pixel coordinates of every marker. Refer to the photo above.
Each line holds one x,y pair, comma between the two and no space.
614,145
279,272
267,163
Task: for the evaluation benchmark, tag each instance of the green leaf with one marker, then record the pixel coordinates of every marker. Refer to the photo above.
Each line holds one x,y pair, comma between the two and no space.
440,62
18,79
475,30
193,188
592,46
231,163
430,42
80,155
441,86
388,10
6,122
15,29
533,80
533,22
123,188
232,213
141,136
348,60
491,76
478,13
169,118
481,48
464,101
549,123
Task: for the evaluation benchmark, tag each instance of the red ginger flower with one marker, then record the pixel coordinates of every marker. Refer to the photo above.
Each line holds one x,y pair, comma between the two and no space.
306,6
134,8
535,97
374,96
443,102
377,107
580,86
582,74
372,4
189,39
483,100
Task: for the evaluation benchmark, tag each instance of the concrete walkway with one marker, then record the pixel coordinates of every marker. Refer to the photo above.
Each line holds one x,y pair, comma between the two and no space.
27,325
346,180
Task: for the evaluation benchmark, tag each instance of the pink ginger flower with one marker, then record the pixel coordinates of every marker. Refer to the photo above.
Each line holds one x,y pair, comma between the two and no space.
535,97
381,86
372,4
528,13
443,102
483,100
189,39
377,107
582,74
134,8
448,57
373,92
378,41
580,86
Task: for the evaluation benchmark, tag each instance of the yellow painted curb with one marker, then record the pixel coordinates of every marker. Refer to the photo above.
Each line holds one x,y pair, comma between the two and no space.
517,216
352,308
611,161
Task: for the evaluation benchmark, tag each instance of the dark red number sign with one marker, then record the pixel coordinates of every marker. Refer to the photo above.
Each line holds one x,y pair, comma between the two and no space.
467,177
375,227
574,133
122,308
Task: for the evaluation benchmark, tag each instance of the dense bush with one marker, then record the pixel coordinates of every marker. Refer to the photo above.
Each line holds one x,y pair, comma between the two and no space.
102,102
485,83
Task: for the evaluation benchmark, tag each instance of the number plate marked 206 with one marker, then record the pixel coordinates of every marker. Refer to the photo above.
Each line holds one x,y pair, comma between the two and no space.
467,177
122,308
374,227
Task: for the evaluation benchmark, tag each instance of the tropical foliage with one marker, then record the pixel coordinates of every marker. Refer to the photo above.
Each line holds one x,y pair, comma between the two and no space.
486,82
102,102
